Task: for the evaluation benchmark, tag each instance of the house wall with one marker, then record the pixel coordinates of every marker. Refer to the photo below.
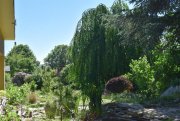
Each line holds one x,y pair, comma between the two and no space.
1,63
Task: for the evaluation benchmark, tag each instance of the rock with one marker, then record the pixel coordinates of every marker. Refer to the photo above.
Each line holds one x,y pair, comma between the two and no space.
114,119
27,119
130,106
1,110
3,101
163,117
136,112
171,90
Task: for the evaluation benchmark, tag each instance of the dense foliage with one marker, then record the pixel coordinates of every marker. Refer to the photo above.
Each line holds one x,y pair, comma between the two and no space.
21,59
142,75
57,58
106,41
17,95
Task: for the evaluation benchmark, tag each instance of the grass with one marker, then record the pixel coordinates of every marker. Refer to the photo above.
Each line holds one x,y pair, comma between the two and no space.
122,98
165,101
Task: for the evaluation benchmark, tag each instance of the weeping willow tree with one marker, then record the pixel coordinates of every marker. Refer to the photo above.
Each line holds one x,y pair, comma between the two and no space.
88,54
98,52
101,49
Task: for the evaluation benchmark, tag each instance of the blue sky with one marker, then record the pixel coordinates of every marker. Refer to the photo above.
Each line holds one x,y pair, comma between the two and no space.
43,24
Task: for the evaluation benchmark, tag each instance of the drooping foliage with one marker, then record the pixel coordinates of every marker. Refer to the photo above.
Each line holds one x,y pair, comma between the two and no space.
120,46
100,49
88,48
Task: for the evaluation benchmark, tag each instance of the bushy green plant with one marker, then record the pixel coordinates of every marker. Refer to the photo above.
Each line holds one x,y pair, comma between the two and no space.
162,73
66,78
142,75
68,101
50,109
2,93
165,65
64,75
37,78
33,86
17,94
48,76
44,78
7,77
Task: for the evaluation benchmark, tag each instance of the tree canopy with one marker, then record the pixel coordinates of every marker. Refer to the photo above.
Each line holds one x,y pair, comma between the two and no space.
58,57
21,59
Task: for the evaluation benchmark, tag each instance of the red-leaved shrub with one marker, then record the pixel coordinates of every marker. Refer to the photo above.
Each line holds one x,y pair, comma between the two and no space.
118,85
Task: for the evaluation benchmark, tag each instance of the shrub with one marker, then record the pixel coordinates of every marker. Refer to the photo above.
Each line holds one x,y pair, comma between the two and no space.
68,100
2,93
7,77
50,109
118,85
48,79
32,98
166,65
142,75
17,94
33,86
19,78
37,79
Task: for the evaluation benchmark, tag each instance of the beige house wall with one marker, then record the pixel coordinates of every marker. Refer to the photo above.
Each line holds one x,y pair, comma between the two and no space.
1,63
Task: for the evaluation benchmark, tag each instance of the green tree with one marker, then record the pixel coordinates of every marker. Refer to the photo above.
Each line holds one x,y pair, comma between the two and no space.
99,51
155,7
166,63
163,72
21,58
118,7
163,27
160,14
57,58
88,50
105,42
